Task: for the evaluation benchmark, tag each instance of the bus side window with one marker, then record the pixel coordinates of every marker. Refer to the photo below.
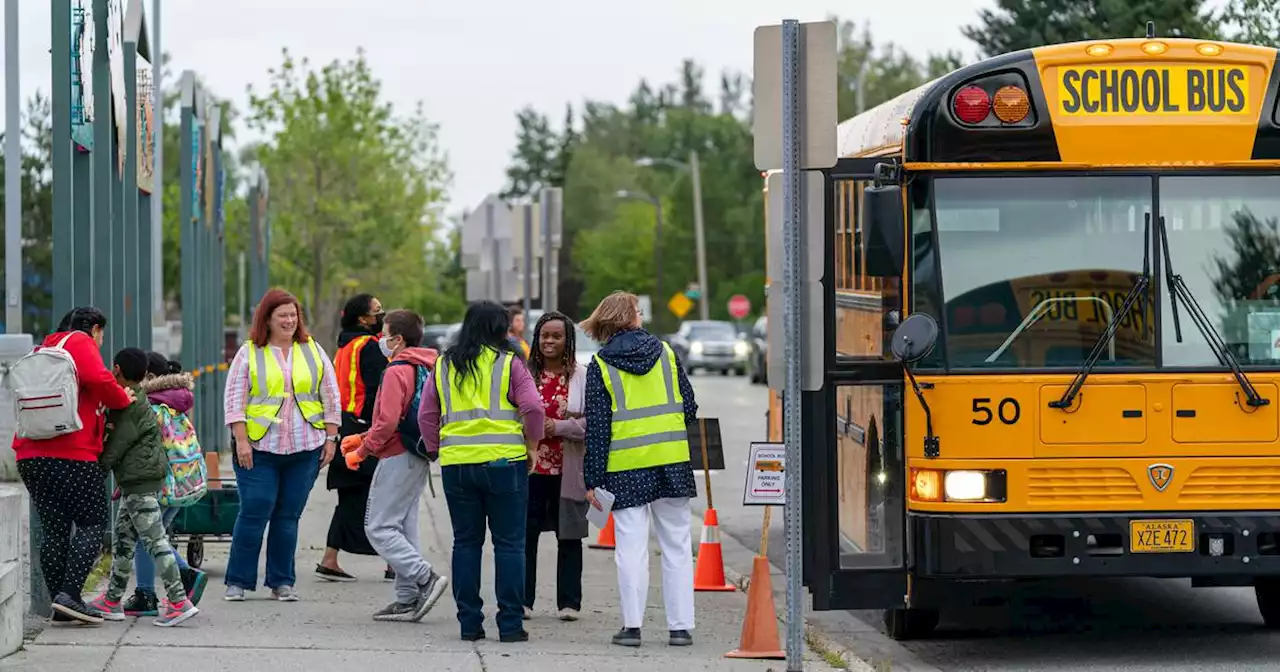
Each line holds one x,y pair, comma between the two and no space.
861,280
846,197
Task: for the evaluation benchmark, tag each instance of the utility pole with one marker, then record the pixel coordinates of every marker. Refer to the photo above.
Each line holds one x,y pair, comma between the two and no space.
527,211
699,233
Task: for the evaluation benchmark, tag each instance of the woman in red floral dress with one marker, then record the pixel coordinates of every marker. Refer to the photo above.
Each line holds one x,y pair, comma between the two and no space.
557,493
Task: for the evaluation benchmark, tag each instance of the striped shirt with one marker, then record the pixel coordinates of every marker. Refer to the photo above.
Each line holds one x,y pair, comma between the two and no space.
293,434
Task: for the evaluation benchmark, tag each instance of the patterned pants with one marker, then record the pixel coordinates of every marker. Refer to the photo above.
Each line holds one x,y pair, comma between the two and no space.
140,519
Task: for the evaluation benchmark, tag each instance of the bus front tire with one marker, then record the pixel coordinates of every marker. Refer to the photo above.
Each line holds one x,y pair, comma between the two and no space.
907,624
1267,593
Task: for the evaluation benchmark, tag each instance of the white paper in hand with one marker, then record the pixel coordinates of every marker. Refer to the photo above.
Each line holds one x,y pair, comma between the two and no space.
600,517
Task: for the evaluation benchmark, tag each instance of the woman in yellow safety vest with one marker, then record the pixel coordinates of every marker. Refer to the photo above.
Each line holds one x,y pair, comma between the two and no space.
482,412
282,406
638,404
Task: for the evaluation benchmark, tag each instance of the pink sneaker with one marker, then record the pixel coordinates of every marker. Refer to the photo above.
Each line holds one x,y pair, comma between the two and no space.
172,614
111,611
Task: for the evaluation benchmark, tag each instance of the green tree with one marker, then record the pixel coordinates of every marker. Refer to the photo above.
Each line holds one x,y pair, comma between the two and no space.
870,73
37,214
357,191
1253,21
1022,24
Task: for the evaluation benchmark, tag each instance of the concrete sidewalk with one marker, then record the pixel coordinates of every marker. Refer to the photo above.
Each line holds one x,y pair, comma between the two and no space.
331,628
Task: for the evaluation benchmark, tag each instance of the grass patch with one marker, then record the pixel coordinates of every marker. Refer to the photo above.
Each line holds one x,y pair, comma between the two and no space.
99,574
829,655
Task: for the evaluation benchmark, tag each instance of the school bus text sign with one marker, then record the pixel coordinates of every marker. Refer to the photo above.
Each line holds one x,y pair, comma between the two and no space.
1155,90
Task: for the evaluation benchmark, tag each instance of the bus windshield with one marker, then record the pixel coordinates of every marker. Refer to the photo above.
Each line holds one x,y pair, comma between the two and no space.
1032,268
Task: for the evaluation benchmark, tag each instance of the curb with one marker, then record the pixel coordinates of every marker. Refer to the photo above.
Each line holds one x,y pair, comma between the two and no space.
817,641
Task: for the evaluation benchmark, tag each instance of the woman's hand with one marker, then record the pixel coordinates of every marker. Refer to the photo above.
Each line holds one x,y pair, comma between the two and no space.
244,454
549,428
329,448
591,497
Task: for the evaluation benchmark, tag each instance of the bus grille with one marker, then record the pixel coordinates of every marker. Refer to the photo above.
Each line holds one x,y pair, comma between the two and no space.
1243,485
1082,487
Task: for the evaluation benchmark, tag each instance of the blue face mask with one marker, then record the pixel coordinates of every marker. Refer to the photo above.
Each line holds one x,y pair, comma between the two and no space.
385,347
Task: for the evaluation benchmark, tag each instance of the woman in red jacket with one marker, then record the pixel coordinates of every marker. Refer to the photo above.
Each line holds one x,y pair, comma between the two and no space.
62,473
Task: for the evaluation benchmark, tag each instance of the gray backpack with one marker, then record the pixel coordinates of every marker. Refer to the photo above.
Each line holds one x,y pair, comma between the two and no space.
46,392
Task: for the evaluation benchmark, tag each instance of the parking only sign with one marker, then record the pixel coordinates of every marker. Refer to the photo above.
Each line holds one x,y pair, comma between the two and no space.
766,482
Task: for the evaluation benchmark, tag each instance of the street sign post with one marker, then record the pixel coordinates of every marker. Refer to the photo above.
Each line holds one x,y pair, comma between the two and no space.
739,306
646,308
795,130
680,305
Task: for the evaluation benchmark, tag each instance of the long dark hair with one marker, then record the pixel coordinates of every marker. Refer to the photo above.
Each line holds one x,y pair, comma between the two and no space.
485,325
536,361
84,318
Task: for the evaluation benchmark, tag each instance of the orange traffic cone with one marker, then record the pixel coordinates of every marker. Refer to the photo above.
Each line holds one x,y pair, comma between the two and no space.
605,540
760,629
709,574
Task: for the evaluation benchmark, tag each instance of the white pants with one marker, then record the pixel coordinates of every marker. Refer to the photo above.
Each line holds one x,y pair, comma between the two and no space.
631,530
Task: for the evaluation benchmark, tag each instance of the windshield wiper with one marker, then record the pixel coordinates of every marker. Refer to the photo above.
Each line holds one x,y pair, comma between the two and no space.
1178,290
1139,289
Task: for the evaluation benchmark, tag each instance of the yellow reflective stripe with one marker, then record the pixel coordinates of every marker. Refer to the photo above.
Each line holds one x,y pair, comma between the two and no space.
477,427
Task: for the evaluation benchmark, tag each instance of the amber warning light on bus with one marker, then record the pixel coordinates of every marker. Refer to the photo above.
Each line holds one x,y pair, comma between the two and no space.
973,105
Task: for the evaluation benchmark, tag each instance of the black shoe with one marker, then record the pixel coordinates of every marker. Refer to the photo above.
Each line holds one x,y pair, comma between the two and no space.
142,603
335,575
59,617
680,638
627,637
473,636
513,637
76,609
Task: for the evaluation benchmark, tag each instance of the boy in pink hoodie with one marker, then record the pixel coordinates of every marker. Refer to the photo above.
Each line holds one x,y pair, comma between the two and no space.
403,468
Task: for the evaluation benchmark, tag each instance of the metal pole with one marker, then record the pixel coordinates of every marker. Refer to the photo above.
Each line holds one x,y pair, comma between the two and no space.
13,174
132,318
657,253
157,199
548,291
791,334
700,233
63,248
528,270
102,160
241,303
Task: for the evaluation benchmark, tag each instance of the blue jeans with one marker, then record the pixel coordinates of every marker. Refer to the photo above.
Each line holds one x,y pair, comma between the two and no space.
274,491
496,494
144,567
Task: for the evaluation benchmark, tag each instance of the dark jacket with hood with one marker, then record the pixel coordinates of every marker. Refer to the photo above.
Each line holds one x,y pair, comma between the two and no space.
372,364
634,351
133,451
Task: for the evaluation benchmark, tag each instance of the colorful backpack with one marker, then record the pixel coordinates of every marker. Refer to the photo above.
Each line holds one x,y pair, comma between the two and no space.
186,481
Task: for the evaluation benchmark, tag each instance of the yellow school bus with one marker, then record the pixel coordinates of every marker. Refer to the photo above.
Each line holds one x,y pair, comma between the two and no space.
1052,331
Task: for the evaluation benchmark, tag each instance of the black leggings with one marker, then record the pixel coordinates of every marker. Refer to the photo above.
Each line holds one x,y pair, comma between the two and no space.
66,493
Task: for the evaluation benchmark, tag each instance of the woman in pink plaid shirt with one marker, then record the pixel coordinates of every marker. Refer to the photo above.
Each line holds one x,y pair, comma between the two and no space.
276,468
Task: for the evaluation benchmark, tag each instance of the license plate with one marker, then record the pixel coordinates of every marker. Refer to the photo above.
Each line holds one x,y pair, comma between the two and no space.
1162,536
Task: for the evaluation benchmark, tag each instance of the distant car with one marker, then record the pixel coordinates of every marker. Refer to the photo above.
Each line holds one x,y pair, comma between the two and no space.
758,361
433,334
450,335
711,346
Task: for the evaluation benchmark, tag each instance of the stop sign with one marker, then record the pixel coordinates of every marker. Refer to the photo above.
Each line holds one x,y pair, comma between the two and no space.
739,306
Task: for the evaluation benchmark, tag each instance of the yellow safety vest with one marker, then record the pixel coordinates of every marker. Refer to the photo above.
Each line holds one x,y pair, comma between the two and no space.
478,424
648,416
263,408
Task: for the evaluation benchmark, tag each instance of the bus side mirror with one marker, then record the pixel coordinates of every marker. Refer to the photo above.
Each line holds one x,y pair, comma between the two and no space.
885,229
914,339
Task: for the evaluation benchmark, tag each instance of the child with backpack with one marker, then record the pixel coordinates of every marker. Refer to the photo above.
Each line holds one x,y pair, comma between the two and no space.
403,468
134,455
168,389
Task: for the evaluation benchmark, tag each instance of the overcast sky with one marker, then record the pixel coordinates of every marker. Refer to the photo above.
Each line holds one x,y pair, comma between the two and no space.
474,64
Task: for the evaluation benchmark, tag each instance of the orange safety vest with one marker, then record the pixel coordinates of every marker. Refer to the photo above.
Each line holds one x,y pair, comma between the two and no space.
347,367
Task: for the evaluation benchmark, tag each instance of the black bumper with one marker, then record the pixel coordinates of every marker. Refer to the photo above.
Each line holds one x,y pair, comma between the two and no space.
1035,546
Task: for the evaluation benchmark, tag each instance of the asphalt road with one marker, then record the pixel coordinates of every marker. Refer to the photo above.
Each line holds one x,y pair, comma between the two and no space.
1130,624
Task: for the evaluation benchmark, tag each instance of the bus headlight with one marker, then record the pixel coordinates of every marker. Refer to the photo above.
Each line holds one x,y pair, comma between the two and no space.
960,485
965,486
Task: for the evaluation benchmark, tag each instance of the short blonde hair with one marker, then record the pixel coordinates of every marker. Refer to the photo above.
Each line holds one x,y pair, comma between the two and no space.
617,312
